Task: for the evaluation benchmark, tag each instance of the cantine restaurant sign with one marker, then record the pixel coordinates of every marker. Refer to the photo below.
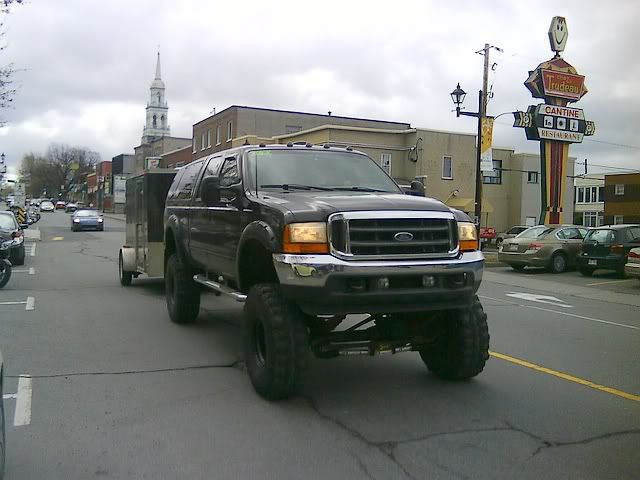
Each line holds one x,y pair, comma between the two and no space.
562,85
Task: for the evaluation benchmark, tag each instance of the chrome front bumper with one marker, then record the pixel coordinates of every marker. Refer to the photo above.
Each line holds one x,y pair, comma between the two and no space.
322,283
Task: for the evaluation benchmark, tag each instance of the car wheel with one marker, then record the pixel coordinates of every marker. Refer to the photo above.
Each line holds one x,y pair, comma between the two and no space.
461,348
517,268
558,263
182,293
276,342
125,277
587,272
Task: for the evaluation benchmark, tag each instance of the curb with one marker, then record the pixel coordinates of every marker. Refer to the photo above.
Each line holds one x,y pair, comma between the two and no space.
120,219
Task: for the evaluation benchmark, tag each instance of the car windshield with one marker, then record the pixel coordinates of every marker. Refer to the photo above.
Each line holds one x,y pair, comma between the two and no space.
7,222
46,204
317,169
535,232
600,236
86,213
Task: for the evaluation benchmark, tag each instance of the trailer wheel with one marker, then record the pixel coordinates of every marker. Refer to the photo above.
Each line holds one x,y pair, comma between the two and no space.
182,294
276,342
125,277
462,347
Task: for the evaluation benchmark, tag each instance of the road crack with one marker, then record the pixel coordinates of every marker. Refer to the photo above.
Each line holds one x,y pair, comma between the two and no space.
585,441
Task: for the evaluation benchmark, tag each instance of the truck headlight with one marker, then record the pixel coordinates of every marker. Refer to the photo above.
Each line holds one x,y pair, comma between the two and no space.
467,237
76,220
305,238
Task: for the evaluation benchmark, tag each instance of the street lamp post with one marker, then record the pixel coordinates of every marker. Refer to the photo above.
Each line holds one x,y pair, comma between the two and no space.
458,98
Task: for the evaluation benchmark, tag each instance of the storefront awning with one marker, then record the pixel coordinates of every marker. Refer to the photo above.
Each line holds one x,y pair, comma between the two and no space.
468,204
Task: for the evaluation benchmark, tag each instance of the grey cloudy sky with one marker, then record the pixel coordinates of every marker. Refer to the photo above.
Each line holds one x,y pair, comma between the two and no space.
86,65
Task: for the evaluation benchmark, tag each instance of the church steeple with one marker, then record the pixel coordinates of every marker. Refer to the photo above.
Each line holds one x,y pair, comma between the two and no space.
157,124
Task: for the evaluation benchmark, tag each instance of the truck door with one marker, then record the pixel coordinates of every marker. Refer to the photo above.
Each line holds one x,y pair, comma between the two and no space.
201,220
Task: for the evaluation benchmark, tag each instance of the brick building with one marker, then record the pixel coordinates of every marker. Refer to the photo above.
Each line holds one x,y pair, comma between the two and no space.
622,198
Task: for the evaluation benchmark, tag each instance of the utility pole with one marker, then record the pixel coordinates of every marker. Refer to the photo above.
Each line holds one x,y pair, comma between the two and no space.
483,99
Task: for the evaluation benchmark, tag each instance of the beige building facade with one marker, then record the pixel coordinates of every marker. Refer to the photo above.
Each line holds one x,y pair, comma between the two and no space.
589,200
445,162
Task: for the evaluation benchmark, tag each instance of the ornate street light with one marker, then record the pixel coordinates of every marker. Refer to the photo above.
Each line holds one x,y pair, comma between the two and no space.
458,98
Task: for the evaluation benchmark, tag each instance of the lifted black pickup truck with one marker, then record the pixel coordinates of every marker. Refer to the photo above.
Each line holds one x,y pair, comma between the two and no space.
309,234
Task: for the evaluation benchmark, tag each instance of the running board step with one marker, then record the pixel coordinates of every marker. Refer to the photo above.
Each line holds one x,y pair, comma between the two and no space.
219,288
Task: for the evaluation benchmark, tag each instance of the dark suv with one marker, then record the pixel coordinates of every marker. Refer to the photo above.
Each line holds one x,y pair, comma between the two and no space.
309,234
607,248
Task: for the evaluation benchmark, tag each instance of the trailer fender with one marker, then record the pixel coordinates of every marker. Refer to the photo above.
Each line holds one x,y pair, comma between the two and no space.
128,259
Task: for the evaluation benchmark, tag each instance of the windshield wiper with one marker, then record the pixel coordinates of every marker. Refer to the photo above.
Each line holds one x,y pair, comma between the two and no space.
297,186
356,188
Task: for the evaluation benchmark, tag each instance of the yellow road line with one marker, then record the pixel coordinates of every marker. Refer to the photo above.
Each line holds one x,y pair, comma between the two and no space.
55,239
610,281
565,376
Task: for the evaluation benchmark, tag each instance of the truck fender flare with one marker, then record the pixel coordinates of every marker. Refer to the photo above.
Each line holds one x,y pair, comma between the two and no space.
262,233
171,229
128,259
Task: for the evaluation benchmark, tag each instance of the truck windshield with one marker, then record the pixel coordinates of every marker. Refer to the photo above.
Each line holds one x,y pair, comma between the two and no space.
317,170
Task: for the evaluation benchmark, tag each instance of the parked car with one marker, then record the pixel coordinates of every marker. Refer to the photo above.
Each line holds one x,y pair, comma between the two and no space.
550,246
632,267
606,248
9,227
60,204
511,233
70,207
47,206
87,220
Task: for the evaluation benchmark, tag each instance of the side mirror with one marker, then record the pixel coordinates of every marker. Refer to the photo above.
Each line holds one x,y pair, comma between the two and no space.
210,191
417,189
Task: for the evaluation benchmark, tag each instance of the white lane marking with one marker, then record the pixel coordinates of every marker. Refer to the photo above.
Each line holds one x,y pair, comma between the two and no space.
31,303
33,250
532,297
8,396
23,402
597,320
31,271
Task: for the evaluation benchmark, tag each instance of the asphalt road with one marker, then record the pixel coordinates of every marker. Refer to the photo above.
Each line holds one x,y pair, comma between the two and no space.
113,389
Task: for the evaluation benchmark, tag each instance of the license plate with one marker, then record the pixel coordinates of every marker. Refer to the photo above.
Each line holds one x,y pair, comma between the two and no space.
593,262
513,247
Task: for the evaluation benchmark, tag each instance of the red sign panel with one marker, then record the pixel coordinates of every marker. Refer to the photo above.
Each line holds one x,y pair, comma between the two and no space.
563,85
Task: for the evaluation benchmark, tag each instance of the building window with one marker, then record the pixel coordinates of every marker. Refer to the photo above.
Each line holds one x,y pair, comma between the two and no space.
601,194
618,219
494,177
293,128
531,221
587,195
592,219
580,195
447,168
218,135
229,131
203,141
619,189
385,162
532,177
208,138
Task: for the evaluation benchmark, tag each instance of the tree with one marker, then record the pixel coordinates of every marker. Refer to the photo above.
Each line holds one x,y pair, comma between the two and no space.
7,88
55,172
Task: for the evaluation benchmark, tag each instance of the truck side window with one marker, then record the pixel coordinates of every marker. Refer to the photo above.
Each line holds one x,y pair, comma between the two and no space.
188,180
173,191
229,175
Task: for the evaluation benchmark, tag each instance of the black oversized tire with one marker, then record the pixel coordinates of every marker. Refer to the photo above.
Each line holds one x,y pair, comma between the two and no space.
5,273
558,263
462,348
586,272
276,342
181,292
125,277
517,267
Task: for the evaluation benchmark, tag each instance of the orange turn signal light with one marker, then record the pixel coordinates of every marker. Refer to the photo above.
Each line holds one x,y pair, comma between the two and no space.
468,245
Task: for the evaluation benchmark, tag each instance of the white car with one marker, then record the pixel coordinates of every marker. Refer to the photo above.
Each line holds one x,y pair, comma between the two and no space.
632,267
47,206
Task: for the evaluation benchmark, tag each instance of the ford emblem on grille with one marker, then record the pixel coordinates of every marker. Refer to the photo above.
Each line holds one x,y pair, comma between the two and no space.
403,236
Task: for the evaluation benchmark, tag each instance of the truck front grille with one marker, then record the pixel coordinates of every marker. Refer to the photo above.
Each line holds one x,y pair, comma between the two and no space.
365,235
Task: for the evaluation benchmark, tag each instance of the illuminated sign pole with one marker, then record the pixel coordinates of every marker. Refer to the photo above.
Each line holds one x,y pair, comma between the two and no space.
553,123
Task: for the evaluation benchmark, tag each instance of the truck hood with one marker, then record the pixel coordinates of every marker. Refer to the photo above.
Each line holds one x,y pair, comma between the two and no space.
317,206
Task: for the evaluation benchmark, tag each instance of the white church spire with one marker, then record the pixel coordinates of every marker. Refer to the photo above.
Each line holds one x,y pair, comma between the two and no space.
157,124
